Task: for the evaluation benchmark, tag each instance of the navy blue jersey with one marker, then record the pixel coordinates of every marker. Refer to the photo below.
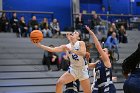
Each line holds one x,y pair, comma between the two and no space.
103,82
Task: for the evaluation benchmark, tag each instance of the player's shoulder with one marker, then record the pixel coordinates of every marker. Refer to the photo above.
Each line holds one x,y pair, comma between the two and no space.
81,42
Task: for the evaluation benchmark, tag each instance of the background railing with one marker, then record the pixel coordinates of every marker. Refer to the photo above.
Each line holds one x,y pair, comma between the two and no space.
28,14
129,21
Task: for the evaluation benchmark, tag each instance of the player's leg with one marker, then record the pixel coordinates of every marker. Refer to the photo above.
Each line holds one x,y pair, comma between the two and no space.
64,79
85,84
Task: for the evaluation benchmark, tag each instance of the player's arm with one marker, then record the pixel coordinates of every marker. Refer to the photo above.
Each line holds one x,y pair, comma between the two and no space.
105,57
91,65
50,49
81,51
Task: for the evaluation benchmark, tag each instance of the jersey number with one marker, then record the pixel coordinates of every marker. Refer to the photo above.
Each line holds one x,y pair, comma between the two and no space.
75,57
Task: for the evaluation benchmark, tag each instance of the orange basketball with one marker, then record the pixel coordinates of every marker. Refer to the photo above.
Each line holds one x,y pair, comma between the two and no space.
36,35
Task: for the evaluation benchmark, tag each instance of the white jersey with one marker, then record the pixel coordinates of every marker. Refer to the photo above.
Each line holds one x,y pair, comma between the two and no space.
75,60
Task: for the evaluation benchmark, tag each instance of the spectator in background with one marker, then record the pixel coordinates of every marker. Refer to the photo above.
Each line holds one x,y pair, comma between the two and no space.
15,24
96,24
112,43
23,27
113,25
33,24
50,58
79,25
113,29
110,31
45,28
131,71
4,23
64,62
79,22
54,25
122,35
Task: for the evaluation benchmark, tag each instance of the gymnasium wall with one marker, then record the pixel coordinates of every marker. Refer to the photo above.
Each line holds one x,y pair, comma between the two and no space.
117,6
61,8
136,8
0,4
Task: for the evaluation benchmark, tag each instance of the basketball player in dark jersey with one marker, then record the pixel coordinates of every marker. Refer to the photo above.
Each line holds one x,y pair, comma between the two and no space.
103,73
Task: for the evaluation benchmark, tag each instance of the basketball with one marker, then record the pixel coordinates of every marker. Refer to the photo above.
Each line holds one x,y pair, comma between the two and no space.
36,35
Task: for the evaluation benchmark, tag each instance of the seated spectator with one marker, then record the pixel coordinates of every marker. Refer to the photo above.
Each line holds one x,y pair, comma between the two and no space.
122,35
15,24
110,31
79,26
64,62
79,22
50,58
96,23
23,27
33,24
45,28
55,27
112,43
113,25
4,23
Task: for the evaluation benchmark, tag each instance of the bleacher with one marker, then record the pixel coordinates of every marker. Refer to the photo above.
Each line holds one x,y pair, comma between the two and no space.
21,69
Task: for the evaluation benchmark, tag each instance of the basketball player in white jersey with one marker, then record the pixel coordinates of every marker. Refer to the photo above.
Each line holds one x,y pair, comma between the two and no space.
78,69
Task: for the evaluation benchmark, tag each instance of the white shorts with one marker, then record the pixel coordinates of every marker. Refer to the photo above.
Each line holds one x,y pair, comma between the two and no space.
79,73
